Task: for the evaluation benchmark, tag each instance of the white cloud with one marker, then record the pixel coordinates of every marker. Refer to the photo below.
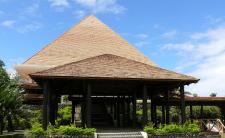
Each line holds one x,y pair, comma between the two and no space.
141,44
59,3
32,10
24,28
142,36
101,6
30,27
204,53
213,20
79,14
170,34
8,23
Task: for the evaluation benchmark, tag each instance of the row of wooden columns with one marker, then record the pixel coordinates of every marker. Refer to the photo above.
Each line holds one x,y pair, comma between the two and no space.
165,108
49,107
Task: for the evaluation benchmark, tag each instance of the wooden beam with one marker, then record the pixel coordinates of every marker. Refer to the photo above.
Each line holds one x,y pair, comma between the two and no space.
144,105
182,104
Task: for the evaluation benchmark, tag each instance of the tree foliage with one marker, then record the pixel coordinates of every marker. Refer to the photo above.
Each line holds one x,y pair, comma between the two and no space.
11,99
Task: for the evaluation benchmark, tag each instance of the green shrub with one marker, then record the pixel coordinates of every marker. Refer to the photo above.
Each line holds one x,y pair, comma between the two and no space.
64,117
150,129
51,130
172,128
191,127
35,131
35,115
72,130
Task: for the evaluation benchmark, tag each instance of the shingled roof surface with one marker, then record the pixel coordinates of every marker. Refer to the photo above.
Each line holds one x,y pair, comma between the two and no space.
87,39
109,66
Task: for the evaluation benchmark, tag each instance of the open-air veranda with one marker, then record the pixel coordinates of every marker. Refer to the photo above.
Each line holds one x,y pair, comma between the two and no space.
120,106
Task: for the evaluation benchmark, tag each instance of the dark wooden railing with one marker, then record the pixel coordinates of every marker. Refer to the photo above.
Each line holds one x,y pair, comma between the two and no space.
212,125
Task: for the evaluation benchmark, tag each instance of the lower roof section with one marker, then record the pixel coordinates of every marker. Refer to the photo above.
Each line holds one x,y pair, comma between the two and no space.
109,66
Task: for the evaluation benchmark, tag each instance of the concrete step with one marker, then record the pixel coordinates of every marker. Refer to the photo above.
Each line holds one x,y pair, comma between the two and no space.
120,135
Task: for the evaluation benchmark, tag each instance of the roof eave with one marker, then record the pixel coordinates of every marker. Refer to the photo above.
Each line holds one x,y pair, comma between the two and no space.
37,76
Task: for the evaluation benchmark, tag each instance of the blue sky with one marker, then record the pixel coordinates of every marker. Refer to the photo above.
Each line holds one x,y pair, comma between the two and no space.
187,36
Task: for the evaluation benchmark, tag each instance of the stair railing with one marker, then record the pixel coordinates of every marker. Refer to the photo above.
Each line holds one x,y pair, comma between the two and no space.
213,125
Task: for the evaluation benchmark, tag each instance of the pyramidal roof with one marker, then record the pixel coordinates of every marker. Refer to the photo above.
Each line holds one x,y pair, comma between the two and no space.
89,38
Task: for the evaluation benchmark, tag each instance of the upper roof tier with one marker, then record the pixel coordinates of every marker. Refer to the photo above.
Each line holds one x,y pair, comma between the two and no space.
88,38
92,49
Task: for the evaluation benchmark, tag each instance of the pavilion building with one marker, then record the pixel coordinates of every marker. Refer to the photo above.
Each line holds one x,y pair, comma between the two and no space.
104,74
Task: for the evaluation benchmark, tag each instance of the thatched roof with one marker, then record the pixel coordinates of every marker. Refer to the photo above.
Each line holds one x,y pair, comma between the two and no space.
88,38
109,66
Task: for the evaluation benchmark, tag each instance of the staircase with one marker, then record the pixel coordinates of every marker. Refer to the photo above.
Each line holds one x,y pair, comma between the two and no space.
99,116
120,135
213,125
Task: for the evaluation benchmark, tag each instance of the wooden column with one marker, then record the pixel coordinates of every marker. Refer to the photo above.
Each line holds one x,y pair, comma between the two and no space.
118,111
115,109
128,111
56,106
111,108
144,105
124,112
73,112
134,115
201,112
223,113
83,121
88,106
167,107
51,106
45,105
152,113
191,114
182,104
163,114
